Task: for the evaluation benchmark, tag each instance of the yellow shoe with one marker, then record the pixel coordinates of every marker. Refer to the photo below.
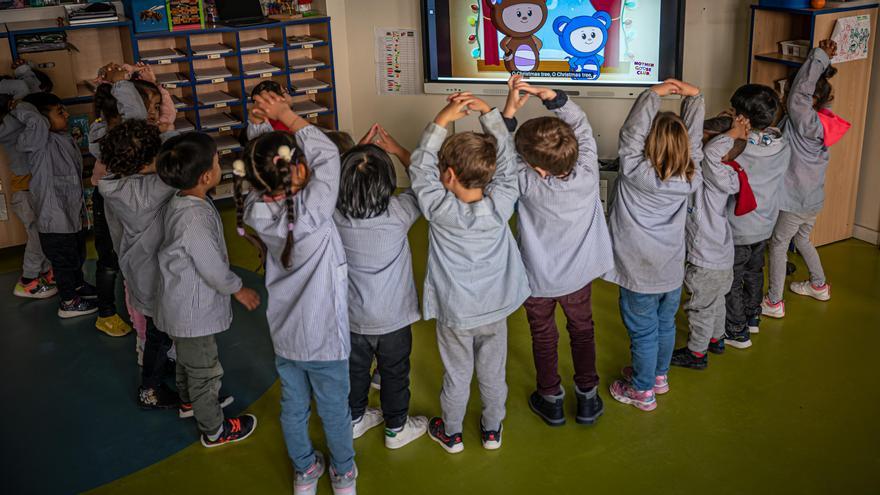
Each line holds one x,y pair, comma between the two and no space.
113,326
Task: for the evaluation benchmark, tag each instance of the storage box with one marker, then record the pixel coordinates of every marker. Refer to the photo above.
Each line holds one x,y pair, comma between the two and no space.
795,48
57,65
789,4
147,15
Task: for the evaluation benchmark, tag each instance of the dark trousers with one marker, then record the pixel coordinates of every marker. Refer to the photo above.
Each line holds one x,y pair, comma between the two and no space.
108,264
392,357
199,376
155,355
541,313
66,253
744,299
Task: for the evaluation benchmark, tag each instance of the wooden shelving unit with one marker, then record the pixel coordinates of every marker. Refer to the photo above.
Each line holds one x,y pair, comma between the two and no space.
216,103
770,25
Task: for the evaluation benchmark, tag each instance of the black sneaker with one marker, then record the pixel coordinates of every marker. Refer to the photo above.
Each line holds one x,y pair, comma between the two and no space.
589,408
185,410
552,413
716,346
738,339
450,443
686,358
160,397
77,307
491,438
87,291
234,430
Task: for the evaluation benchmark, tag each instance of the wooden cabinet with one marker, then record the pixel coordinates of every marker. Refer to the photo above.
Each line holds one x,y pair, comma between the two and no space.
766,66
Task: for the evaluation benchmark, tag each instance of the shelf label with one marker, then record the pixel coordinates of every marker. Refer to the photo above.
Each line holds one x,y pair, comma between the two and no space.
310,69
312,92
218,80
169,86
264,50
266,74
213,56
312,115
221,105
225,152
165,61
304,47
225,128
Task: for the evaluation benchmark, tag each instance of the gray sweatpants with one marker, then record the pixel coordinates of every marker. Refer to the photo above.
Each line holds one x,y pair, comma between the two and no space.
198,380
798,227
35,261
483,348
706,309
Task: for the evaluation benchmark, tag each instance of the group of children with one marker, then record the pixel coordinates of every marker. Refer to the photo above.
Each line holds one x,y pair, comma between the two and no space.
696,203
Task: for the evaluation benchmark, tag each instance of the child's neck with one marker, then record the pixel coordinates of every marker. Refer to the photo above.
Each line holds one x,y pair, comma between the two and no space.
196,192
149,169
468,195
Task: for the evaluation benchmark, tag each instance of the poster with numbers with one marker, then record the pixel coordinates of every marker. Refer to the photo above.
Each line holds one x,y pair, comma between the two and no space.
396,61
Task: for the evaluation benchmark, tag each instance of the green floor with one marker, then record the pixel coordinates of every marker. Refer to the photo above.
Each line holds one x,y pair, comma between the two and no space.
793,414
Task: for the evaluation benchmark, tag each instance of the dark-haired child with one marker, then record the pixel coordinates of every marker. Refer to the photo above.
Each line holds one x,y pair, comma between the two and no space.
259,124
811,129
382,299
134,197
564,242
466,185
295,183
709,268
56,185
765,160
658,156
193,261
25,82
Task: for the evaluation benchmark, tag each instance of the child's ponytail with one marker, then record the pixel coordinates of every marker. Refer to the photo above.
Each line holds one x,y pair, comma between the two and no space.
284,153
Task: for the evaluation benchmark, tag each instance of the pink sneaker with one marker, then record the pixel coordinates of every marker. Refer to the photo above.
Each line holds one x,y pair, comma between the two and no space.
817,292
623,391
661,382
771,309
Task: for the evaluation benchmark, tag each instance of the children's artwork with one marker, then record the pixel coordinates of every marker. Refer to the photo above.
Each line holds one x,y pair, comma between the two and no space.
396,61
185,14
853,37
79,129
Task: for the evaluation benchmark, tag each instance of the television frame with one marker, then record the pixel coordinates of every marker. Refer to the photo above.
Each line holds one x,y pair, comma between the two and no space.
572,89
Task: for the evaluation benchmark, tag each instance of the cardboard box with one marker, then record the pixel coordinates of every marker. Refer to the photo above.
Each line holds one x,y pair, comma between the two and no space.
57,64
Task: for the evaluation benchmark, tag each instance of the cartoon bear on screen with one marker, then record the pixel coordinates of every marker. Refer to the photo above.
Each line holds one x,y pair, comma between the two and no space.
583,38
519,20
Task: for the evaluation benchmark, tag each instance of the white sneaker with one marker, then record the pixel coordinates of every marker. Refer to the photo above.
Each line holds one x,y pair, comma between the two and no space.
772,310
414,427
806,288
372,417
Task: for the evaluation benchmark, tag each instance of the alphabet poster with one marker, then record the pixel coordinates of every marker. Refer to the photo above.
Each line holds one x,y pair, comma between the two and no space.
853,36
396,61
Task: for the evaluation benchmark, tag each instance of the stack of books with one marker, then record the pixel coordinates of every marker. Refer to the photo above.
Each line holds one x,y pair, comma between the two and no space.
93,13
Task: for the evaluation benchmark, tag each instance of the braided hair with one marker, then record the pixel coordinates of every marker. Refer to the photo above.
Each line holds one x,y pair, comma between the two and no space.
269,164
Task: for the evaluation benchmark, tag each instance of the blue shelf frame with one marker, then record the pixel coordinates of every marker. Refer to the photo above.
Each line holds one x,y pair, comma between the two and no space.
234,60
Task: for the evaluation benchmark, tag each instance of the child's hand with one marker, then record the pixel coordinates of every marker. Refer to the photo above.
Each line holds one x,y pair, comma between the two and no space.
391,146
370,136
829,47
145,72
476,104
545,94
740,128
516,97
684,89
271,105
255,116
18,63
248,298
454,110
665,89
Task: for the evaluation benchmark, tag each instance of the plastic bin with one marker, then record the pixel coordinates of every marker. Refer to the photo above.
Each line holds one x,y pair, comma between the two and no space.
795,48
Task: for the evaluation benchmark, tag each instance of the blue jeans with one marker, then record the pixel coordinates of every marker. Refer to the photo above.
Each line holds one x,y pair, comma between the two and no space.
650,321
328,381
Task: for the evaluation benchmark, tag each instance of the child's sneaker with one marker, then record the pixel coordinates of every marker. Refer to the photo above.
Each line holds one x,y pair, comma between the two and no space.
113,326
160,397
414,427
716,346
806,288
589,407
450,443
661,382
37,288
87,291
739,340
76,307
372,417
49,277
185,409
344,483
755,324
491,438
234,430
551,412
306,482
687,358
376,380
771,309
623,391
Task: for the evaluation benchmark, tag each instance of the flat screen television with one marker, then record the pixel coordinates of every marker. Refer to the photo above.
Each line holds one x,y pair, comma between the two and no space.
606,48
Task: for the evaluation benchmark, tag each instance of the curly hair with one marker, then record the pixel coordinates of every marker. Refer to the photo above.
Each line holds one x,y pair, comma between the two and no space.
130,146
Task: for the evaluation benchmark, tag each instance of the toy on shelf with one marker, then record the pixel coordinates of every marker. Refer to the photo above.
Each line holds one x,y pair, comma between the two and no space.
185,14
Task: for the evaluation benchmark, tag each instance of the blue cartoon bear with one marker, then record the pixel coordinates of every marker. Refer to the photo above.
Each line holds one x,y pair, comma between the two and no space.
583,38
